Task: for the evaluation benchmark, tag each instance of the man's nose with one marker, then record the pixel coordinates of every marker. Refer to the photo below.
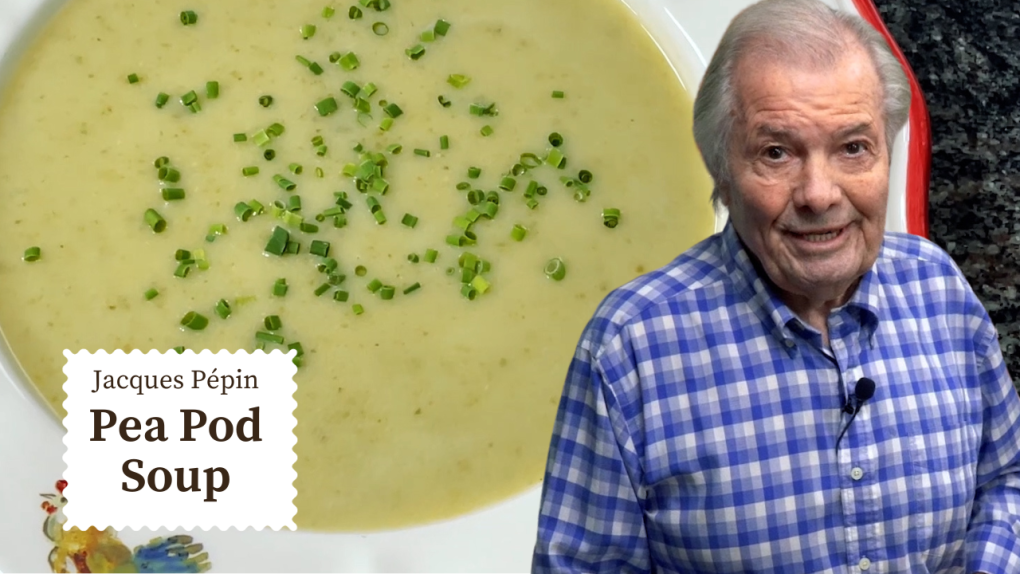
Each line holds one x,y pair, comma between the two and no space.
818,188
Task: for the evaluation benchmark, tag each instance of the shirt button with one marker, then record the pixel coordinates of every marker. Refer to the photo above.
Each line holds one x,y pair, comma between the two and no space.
789,343
864,564
856,473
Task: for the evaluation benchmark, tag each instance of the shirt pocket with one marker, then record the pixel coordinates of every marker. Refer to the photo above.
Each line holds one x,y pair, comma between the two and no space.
943,458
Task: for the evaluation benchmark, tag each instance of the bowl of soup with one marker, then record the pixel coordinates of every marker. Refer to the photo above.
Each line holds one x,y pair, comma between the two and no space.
427,200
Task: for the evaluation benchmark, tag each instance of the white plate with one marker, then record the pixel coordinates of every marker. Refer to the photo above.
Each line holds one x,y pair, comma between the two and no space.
496,539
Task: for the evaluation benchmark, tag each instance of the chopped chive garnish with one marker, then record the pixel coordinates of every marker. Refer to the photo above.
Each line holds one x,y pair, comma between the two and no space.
339,221
172,193
394,148
360,271
518,170
386,124
272,323
584,176
307,31
155,220
161,99
492,196
474,172
189,98
374,285
280,287
357,309
555,139
269,337
458,80
335,278
189,17
409,220
557,94
328,12
412,288
556,158
441,27
250,170
444,102
349,61
320,248
32,254
349,88
132,78
541,190
431,255
180,350
269,154
489,209
354,13
284,183
295,168
243,211
610,217
238,138
428,36
474,197
257,207
322,289
415,52
309,227
469,292
223,308
486,131
531,190
380,29
508,183
380,217
261,138
393,110
368,89
161,161
167,173
277,244
413,257
480,284
183,269
532,203
195,107
518,232
182,255
530,160
275,129
151,294
386,292
265,101
444,142
555,269
422,152
194,321
463,186
341,296
212,90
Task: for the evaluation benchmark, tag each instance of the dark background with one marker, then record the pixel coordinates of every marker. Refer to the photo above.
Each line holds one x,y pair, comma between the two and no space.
966,56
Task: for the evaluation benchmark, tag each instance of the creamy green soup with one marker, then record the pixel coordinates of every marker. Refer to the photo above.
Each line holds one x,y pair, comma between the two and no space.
426,405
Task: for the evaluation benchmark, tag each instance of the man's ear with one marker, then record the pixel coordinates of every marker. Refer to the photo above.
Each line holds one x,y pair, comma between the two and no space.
723,189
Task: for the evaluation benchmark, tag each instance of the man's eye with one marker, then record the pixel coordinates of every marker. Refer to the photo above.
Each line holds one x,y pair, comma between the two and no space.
775,153
854,148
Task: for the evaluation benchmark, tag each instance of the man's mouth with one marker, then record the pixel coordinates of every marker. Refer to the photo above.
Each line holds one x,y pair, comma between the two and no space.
819,236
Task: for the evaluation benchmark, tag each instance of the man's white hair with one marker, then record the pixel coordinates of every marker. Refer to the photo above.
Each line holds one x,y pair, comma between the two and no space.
798,32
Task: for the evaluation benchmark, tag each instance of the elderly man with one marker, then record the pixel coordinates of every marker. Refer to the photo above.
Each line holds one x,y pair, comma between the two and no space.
801,392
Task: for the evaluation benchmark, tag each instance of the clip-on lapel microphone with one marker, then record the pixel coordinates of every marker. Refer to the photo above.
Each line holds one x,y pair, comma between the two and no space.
863,391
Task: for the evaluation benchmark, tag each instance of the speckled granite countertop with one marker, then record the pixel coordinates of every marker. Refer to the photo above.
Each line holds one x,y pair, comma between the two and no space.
966,55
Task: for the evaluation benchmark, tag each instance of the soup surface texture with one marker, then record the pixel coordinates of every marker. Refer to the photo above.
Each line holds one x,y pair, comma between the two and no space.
426,405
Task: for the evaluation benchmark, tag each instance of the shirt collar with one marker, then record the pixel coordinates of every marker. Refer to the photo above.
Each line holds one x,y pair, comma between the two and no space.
862,307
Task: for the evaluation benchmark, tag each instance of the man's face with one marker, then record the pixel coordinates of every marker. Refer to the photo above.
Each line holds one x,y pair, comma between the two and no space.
810,172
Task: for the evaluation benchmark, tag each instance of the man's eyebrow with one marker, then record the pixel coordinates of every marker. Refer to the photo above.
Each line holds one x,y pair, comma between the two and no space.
772,131
855,129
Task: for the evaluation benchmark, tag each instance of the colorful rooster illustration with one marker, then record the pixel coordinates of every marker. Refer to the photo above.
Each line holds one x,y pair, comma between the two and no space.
96,550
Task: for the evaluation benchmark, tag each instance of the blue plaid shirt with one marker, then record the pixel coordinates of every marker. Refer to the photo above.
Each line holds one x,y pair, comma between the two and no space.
697,428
